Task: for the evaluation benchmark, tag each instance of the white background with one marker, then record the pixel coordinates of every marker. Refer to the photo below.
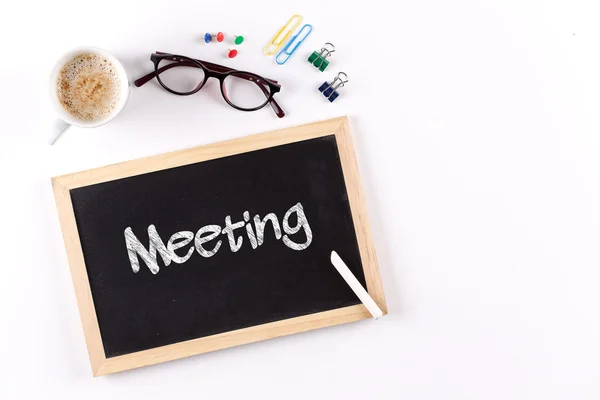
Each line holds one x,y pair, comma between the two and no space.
477,135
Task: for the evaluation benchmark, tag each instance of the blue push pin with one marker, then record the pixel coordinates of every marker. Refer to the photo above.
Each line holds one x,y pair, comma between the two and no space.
329,90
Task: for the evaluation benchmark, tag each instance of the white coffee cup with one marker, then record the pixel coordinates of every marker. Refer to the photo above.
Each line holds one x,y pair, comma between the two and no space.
66,119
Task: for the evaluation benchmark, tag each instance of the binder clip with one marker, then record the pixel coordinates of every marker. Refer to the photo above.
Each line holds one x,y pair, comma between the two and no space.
293,41
277,41
329,90
319,60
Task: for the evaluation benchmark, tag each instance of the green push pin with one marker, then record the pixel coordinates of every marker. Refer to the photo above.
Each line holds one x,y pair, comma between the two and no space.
238,39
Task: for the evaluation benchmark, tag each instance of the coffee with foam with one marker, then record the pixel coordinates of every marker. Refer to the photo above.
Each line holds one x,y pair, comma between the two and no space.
89,87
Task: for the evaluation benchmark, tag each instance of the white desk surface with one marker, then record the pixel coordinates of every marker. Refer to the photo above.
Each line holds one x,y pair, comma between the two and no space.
477,135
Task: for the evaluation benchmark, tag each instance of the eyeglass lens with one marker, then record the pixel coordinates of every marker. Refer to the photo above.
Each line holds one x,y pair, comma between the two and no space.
181,77
245,91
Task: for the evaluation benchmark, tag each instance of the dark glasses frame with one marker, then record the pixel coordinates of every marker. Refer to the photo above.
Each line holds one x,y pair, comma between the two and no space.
212,70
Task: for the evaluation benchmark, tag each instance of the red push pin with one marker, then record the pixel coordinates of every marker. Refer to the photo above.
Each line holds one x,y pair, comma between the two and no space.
231,53
208,37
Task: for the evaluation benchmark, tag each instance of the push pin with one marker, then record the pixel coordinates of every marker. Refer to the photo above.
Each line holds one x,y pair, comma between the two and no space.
238,39
231,53
329,90
319,60
208,37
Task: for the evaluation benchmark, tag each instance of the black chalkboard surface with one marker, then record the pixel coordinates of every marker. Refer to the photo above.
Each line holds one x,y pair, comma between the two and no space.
215,246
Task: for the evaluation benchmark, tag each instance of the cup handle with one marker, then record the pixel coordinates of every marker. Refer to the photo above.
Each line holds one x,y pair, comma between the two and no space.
58,129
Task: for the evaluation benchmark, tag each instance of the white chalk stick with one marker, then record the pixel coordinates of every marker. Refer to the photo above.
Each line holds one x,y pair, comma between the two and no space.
355,285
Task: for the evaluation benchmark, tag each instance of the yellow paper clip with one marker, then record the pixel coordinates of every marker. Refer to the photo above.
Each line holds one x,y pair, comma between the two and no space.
283,34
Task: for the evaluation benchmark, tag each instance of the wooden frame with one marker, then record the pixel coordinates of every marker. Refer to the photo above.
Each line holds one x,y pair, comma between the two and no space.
63,184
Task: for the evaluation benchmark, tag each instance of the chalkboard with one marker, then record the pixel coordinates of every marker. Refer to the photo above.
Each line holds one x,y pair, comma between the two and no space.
215,241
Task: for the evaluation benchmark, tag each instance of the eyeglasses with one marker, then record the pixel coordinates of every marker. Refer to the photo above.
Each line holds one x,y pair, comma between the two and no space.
242,90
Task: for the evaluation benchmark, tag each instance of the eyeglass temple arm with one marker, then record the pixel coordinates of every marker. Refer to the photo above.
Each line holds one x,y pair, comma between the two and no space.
215,67
146,78
278,110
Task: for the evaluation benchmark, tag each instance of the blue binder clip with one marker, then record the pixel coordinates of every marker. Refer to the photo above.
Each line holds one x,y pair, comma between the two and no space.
288,53
329,90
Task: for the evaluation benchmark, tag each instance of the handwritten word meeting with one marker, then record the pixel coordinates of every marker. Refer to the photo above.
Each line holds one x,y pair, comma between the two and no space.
208,233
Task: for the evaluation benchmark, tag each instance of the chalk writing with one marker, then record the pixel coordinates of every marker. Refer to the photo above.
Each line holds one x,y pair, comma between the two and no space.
207,234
